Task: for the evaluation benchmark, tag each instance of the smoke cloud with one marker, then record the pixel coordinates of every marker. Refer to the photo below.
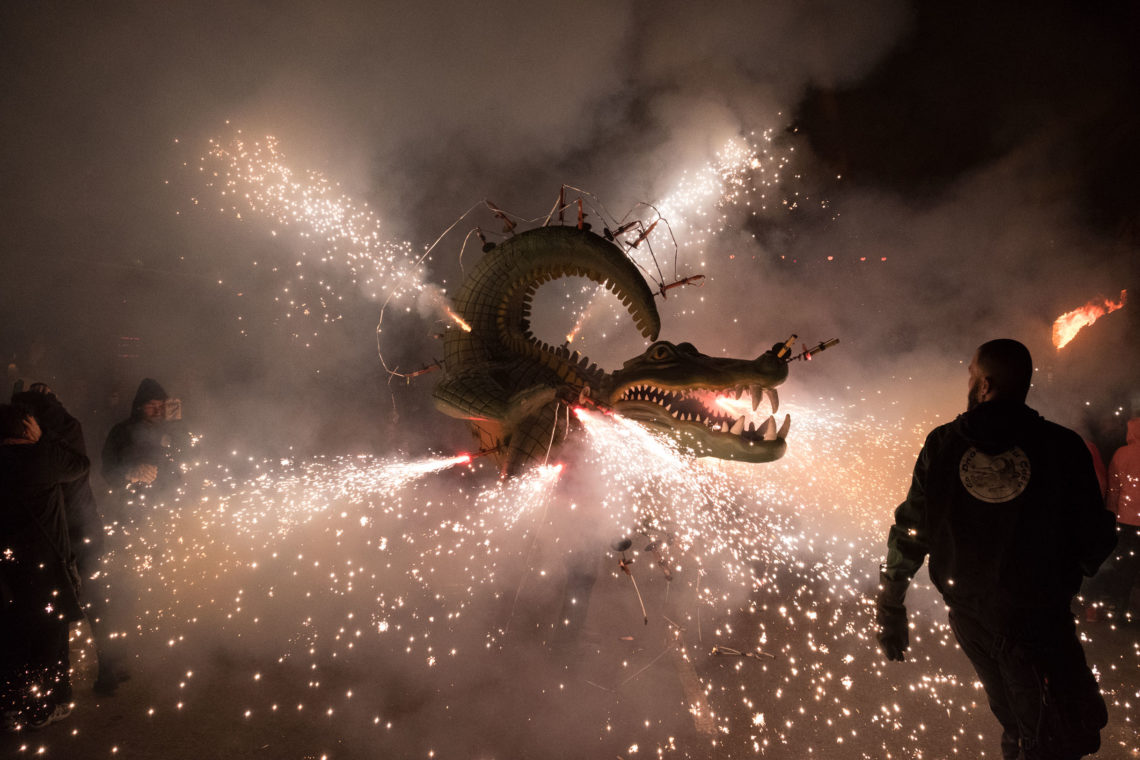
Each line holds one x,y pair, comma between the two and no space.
948,180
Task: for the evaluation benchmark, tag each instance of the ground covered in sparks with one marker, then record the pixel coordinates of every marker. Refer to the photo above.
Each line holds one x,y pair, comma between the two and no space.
364,608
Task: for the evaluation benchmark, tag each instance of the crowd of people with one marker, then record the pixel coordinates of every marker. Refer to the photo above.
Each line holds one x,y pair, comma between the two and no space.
52,540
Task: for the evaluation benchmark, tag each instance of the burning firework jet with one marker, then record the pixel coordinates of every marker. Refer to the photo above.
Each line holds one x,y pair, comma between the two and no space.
341,238
743,173
514,498
437,302
1066,327
672,494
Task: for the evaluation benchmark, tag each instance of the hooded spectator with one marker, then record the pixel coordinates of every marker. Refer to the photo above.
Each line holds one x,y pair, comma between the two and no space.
39,579
144,451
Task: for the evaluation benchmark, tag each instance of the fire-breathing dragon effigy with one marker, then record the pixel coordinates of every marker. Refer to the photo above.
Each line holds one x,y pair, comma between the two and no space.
515,391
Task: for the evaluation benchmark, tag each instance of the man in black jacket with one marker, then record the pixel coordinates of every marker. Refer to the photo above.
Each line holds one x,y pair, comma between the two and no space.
38,578
1008,508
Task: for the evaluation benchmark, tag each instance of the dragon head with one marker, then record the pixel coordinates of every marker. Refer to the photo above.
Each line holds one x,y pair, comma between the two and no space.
509,385
682,392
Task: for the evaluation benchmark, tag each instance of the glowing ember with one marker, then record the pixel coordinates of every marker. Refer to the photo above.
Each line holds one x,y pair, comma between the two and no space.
315,579
1070,323
751,175
339,246
745,173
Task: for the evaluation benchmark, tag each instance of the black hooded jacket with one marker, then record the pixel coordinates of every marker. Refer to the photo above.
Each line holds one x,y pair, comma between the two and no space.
136,441
1008,507
84,521
35,577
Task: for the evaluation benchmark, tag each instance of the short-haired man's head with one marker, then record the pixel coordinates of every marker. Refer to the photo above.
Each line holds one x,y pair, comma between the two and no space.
12,418
1007,365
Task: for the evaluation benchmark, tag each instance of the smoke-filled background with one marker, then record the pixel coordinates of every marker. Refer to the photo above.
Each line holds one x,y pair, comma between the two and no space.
915,180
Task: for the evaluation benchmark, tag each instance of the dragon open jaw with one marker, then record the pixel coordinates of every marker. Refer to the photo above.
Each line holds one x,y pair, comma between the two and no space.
699,421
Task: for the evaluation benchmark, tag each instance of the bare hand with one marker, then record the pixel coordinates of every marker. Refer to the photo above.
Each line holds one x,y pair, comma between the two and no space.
143,473
32,430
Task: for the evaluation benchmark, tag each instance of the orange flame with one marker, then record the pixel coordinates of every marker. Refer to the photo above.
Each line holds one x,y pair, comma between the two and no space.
734,406
570,336
458,320
1070,323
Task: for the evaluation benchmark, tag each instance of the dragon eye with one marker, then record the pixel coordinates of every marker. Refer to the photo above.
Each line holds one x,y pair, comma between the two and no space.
660,352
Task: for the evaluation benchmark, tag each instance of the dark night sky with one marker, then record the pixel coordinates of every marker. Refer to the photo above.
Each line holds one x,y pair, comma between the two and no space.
987,150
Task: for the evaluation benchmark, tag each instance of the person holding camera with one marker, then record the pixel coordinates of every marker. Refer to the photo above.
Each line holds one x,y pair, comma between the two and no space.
143,452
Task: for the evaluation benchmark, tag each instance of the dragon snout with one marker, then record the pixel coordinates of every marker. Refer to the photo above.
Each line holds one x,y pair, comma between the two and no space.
771,368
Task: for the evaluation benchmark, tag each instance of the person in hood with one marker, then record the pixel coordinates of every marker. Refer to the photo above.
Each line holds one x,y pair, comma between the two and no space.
1008,509
84,520
143,452
39,581
84,526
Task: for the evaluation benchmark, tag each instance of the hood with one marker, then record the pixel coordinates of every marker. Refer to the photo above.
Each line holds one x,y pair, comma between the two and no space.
149,390
994,426
1134,431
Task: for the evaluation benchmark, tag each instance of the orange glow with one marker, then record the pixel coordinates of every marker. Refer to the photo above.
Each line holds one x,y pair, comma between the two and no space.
458,319
570,336
1066,327
734,406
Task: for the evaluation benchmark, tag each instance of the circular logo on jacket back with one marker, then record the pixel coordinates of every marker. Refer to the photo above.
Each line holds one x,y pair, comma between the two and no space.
994,479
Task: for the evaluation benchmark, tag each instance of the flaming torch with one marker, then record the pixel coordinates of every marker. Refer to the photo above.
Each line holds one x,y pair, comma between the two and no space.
1066,327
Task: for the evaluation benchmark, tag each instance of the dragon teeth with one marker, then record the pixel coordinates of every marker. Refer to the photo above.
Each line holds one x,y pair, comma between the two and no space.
737,427
773,399
769,429
783,432
756,392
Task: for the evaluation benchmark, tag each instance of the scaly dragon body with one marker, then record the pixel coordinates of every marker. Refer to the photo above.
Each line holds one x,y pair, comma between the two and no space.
510,386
